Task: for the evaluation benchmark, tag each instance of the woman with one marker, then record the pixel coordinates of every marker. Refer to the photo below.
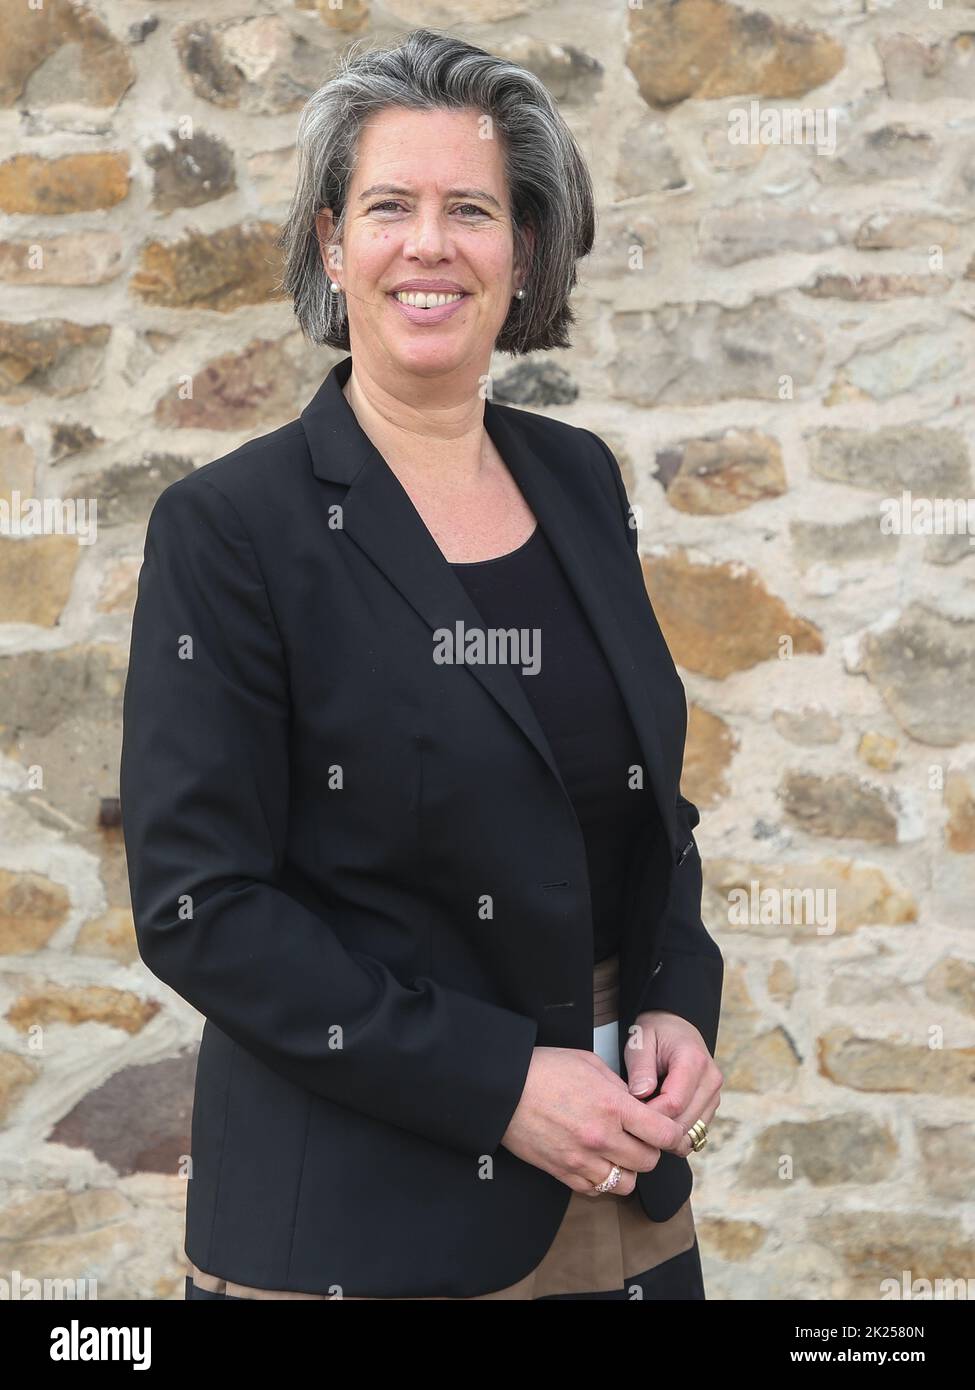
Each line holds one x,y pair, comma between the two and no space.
401,753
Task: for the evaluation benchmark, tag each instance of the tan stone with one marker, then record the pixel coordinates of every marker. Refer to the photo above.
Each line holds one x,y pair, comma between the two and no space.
882,1064
781,982
709,48
862,894
120,586
61,51
893,229
49,357
720,618
948,1157
851,1148
767,1063
16,1074
78,258
74,1004
32,908
36,574
874,288
878,1247
716,476
725,1239
218,270
708,752
112,936
16,463
31,183
960,801
809,726
879,751
952,982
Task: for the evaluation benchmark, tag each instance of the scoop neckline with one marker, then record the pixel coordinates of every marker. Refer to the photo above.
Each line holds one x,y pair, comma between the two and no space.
493,559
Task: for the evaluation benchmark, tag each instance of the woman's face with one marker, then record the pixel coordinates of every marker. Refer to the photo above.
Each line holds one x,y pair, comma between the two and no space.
428,203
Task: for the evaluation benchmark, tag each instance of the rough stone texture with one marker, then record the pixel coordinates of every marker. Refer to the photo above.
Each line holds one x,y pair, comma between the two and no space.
923,665
714,476
773,339
720,618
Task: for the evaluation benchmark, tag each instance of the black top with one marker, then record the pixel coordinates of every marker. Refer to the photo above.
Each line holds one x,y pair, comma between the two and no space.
578,704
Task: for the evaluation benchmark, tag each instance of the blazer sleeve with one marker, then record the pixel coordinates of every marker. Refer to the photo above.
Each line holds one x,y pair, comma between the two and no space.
690,976
204,786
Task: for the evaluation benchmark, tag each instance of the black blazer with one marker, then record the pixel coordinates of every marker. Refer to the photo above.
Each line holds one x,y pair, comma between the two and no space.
313,812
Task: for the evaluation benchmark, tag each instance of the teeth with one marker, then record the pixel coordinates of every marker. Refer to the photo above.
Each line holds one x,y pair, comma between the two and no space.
425,301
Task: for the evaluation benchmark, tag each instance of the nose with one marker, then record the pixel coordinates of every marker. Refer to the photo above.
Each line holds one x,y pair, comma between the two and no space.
428,237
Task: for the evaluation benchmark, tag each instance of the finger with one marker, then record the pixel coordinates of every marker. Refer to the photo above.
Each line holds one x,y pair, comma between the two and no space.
648,1124
706,1112
685,1069
641,1066
601,1170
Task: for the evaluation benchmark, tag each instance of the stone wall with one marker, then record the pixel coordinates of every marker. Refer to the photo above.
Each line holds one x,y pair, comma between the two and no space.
775,335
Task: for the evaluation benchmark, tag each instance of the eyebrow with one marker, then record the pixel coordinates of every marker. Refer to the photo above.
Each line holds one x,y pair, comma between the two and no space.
451,193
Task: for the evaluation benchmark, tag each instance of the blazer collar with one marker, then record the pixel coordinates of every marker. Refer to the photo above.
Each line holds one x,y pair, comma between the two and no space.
378,515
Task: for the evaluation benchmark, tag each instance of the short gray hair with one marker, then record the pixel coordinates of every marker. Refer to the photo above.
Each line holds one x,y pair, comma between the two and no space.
548,182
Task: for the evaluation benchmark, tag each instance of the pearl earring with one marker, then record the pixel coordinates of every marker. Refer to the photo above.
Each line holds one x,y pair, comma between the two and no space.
336,287
519,294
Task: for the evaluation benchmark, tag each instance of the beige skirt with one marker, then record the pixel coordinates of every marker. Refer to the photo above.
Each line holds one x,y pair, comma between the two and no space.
602,1240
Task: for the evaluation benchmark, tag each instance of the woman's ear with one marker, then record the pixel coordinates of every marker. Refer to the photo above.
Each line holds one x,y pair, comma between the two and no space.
331,254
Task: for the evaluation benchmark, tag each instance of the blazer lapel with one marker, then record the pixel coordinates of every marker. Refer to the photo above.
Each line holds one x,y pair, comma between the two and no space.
378,515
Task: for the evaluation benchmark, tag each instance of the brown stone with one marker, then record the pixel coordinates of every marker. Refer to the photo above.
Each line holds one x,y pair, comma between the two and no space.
120,586
722,473
126,492
138,1120
32,909
189,171
708,48
258,64
218,270
74,1004
720,618
840,806
883,1065
49,357
36,574
31,183
708,753
61,51
239,390
878,751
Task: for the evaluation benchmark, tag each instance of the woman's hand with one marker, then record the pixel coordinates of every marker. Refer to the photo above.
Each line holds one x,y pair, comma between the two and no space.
664,1046
576,1118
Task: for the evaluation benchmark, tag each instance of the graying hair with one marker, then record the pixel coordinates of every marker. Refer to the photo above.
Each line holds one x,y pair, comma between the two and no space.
549,186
